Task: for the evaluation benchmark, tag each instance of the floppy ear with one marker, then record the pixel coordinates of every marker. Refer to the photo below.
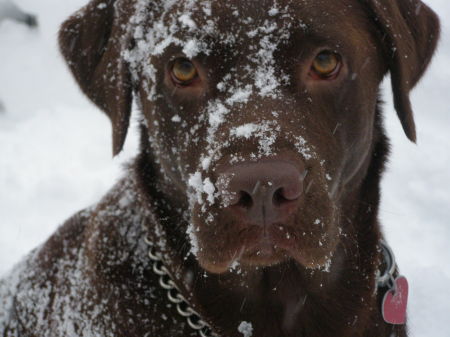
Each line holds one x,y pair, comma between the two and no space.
410,32
91,42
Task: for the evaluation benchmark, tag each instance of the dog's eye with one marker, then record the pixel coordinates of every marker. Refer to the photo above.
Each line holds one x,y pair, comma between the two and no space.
326,65
183,71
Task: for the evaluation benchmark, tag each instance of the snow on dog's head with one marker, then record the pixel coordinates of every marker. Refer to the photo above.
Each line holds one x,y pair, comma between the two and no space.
260,115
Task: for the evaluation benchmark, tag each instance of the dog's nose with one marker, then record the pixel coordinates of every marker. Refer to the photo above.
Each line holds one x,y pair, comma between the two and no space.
262,193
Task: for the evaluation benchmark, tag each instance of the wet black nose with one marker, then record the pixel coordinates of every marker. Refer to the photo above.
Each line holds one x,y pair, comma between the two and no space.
262,193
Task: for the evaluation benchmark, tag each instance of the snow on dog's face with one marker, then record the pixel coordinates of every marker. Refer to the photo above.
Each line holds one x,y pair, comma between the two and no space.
227,85
261,113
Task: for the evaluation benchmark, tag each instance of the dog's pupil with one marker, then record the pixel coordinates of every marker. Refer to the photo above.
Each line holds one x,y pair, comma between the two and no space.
183,70
325,62
185,67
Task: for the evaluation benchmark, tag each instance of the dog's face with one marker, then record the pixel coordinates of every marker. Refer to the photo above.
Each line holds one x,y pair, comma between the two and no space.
244,90
263,114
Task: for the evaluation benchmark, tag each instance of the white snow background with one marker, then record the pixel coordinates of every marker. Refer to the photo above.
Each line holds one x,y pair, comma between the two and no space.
55,158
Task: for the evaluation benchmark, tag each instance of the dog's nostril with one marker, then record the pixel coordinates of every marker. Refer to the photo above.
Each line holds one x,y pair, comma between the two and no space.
278,197
245,200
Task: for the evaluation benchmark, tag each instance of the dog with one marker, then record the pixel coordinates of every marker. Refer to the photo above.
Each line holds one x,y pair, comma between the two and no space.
252,206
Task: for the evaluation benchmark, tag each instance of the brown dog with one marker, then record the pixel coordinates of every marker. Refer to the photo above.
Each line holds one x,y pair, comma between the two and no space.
254,198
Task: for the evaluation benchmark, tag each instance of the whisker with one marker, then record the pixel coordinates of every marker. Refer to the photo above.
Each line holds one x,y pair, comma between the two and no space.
336,127
309,186
255,189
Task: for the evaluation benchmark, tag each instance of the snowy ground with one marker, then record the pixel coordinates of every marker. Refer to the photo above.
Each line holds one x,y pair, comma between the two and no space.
55,158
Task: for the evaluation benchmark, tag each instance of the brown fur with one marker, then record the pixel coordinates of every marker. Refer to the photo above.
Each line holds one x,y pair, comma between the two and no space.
94,277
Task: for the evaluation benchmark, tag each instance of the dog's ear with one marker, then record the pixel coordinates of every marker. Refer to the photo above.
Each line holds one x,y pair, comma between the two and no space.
410,31
91,42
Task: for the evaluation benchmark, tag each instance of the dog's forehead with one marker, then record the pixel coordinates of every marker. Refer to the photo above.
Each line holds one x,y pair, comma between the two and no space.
237,21
254,12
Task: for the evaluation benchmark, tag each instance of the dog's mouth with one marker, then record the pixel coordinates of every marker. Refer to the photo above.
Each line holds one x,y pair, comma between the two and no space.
233,246
255,247
263,246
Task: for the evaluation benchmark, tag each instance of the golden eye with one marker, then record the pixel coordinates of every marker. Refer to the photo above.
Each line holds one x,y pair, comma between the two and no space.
326,64
183,71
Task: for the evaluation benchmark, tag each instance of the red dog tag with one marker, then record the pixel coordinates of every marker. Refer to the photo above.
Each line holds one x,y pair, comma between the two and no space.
395,302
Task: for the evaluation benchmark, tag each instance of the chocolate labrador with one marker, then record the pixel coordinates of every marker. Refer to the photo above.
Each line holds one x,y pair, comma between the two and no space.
252,207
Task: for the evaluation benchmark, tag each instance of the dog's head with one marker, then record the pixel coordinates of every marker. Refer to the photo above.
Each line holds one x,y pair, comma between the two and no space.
263,114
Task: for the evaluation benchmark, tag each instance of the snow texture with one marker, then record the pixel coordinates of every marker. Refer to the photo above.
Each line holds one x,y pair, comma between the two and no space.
75,309
246,329
55,153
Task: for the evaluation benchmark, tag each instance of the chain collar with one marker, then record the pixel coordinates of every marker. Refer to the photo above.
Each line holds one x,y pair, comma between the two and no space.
174,295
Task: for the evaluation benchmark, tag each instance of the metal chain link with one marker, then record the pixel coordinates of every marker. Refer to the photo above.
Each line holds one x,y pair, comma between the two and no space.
174,295
387,279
